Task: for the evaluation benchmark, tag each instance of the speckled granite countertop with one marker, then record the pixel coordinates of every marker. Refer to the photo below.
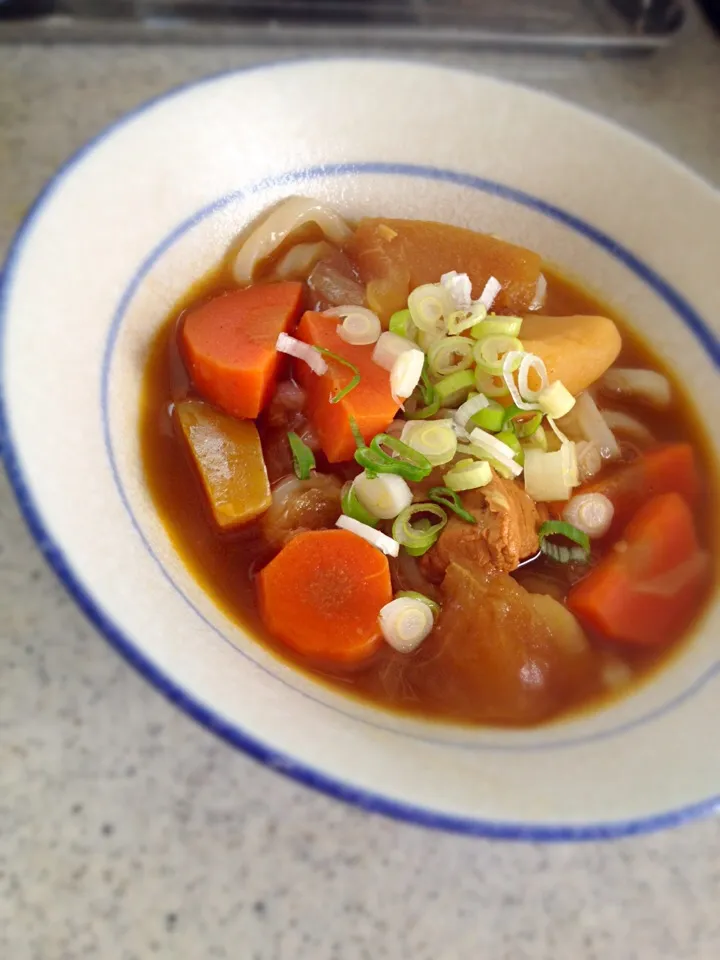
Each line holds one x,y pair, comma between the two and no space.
128,833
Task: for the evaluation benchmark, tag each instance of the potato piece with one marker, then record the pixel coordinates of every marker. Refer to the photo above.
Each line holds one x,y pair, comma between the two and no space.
229,460
577,350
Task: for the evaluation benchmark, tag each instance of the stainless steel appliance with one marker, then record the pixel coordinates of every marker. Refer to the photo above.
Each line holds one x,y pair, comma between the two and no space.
572,25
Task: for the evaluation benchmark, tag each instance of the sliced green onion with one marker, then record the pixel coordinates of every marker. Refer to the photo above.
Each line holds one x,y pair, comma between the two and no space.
509,439
474,403
490,352
555,400
523,423
489,385
450,355
356,432
405,622
550,476
430,305
452,390
346,363
428,396
424,413
417,539
531,363
385,496
401,324
435,439
303,458
507,326
407,463
462,320
352,507
414,595
447,498
468,475
490,418
559,552
426,340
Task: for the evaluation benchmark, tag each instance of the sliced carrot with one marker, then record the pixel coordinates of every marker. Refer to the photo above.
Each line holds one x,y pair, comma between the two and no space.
650,585
370,403
228,345
666,469
322,595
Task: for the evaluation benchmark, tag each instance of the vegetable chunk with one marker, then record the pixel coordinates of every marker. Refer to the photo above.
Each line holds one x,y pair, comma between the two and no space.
647,591
370,403
322,595
667,469
229,460
228,345
395,256
576,350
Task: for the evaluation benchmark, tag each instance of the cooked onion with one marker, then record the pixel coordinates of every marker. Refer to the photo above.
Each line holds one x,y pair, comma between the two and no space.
335,287
647,386
301,351
278,225
623,423
300,259
585,422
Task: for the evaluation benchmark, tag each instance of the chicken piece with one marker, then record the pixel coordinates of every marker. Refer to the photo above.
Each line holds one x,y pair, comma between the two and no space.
577,350
505,532
301,505
395,256
510,657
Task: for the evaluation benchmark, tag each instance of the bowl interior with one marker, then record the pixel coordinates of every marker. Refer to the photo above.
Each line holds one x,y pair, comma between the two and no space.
130,224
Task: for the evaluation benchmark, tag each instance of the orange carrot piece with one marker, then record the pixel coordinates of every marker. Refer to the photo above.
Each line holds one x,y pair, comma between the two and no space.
667,469
322,595
370,403
228,345
650,585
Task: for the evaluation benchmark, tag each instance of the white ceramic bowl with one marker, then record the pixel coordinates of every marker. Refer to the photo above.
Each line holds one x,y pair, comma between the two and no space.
146,208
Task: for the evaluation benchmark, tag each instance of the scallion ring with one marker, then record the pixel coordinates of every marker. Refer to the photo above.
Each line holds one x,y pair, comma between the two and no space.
452,390
414,595
450,355
507,326
578,553
435,439
490,351
407,463
489,385
468,475
451,501
352,507
303,458
523,423
419,537
401,324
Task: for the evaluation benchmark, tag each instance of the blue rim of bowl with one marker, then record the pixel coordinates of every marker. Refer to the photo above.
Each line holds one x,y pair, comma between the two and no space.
306,775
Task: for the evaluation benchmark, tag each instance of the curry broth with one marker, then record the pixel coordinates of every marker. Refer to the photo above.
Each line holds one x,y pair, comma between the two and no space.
224,564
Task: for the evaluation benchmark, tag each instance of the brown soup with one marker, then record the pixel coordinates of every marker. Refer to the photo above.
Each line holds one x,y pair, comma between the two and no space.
428,683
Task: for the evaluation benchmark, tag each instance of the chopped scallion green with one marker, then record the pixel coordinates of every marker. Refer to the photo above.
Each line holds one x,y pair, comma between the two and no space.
352,383
303,458
451,501
579,553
